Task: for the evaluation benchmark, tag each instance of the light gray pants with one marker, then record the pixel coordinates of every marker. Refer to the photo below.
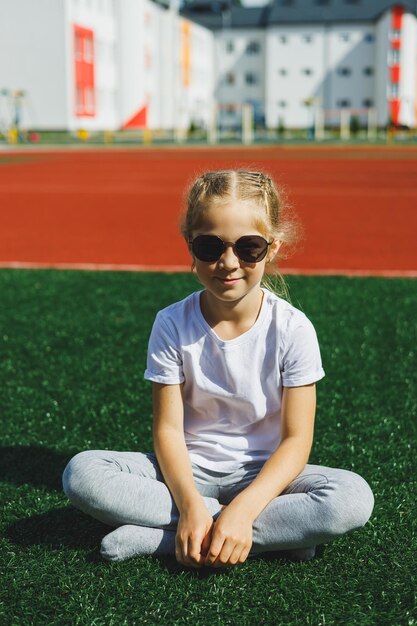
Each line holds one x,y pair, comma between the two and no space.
127,490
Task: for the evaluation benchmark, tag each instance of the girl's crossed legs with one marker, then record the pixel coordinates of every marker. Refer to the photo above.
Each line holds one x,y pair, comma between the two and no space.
127,490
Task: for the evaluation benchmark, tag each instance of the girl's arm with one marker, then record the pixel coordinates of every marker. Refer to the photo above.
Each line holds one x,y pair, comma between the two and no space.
232,533
195,523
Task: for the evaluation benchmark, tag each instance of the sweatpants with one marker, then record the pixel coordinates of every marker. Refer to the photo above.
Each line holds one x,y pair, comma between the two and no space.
126,490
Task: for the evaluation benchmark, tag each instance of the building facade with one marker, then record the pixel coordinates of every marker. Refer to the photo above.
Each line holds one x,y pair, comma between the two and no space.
294,57
112,64
103,65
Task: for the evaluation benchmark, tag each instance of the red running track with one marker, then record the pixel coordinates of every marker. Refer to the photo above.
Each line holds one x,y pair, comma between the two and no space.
118,208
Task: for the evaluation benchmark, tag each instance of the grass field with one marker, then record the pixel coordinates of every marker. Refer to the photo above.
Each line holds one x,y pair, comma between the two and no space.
73,348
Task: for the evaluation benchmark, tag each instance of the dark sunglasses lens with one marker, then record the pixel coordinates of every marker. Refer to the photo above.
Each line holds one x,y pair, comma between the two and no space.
207,248
251,248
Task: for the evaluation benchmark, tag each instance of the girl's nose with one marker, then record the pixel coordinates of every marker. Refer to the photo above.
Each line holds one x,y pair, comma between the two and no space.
228,259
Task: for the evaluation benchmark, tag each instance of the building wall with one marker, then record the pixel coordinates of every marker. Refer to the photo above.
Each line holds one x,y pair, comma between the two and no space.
301,66
97,17
383,58
33,59
166,68
351,66
408,76
169,71
135,63
240,71
154,46
194,78
295,71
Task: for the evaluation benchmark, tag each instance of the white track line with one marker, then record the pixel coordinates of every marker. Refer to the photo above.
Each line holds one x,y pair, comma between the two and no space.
120,267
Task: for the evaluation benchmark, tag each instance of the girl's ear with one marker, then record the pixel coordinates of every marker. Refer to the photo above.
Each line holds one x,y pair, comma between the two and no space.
273,249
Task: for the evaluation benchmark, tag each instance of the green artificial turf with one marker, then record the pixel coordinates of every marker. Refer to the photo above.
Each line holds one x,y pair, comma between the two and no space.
73,348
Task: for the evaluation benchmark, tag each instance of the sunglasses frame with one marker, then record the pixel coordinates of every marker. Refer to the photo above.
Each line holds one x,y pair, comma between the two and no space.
226,244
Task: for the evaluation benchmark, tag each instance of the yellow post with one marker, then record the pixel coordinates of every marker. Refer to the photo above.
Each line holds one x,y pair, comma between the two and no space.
12,135
83,134
147,136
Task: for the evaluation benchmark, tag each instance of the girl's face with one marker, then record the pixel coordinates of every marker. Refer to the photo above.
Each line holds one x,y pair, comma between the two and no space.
230,279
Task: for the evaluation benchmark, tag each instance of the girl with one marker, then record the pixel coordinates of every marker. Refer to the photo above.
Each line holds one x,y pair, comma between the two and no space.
234,369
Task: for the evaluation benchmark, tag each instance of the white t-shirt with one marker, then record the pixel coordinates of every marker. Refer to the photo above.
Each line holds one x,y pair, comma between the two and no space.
233,388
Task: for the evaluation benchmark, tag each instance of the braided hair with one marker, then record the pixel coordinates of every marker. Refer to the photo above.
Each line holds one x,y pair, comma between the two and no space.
271,212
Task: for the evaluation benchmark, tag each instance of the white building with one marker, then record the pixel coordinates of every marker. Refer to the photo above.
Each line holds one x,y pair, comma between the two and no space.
332,55
110,64
102,64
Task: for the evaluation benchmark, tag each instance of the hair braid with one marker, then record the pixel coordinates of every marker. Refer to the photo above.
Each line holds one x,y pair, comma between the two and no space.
254,187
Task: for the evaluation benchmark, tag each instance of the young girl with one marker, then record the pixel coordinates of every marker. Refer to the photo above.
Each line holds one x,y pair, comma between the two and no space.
234,369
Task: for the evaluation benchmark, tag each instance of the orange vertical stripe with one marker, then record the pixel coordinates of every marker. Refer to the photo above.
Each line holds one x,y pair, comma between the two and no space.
186,53
397,17
395,73
394,107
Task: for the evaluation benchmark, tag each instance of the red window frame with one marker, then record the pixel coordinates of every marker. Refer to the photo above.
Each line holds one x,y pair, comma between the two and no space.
84,71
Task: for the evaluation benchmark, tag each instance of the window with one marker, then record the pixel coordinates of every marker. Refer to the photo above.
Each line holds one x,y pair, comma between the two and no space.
89,100
230,46
88,50
253,47
344,71
344,37
369,38
282,71
147,57
79,100
230,78
368,71
394,90
283,39
395,56
307,71
367,103
343,103
78,47
84,72
229,109
282,104
251,78
285,3
307,38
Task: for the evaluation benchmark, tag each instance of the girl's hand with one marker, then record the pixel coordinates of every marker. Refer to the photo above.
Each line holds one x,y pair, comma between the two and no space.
231,539
193,536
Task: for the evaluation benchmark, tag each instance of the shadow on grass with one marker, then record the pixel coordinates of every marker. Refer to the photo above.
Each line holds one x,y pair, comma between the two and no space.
175,569
33,465
65,527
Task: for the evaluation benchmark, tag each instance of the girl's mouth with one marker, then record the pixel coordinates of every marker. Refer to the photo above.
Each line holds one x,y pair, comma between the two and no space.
228,281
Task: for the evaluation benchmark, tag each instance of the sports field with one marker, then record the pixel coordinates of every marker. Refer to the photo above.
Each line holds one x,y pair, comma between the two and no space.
73,349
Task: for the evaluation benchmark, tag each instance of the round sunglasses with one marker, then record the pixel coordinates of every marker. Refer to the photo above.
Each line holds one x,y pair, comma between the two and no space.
249,248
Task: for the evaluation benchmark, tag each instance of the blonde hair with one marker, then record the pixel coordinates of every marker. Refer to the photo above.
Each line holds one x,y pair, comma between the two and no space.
272,214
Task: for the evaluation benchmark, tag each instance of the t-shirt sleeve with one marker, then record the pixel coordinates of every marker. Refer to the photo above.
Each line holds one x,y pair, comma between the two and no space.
301,361
164,362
